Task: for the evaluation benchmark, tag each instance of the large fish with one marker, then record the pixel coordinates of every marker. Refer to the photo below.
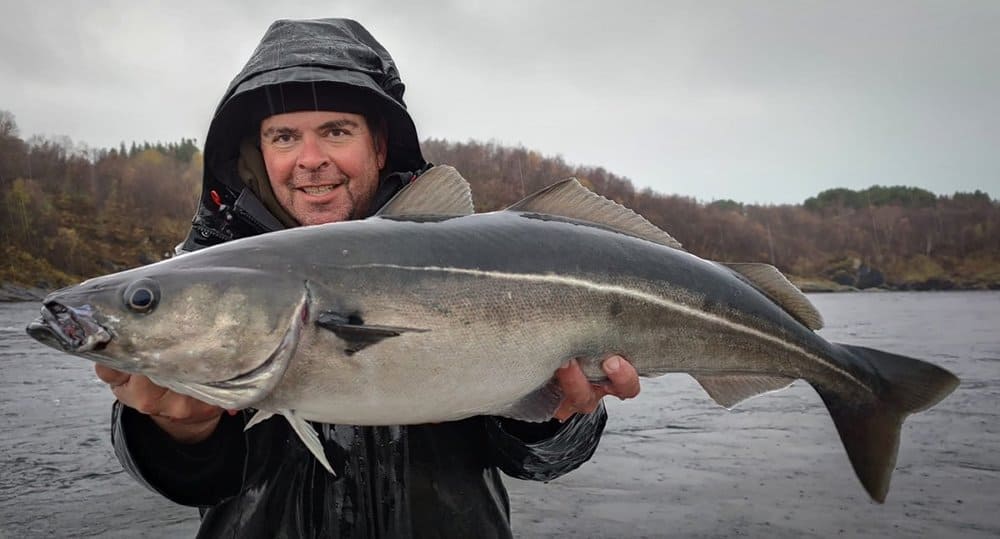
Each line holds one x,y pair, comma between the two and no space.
428,312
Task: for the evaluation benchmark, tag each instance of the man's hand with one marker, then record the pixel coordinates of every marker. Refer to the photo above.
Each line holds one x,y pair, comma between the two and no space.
581,396
185,419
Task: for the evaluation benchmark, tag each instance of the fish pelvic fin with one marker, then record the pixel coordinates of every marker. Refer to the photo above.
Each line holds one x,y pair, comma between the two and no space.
569,198
258,418
870,430
309,437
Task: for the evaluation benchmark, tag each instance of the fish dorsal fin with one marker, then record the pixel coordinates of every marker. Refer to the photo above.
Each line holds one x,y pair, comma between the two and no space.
570,199
441,191
781,291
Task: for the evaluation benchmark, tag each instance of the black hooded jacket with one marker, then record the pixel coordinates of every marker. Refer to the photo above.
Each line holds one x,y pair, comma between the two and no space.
438,480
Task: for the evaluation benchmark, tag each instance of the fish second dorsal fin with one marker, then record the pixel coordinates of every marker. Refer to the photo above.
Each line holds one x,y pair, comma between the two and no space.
570,199
777,287
441,191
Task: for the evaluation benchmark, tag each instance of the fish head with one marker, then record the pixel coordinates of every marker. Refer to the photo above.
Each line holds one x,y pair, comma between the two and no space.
234,329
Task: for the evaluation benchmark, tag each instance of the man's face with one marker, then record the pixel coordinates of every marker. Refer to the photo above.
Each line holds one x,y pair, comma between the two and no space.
323,166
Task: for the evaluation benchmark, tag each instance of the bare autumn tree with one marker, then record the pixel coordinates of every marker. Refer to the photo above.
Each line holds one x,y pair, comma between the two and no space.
88,211
8,125
879,226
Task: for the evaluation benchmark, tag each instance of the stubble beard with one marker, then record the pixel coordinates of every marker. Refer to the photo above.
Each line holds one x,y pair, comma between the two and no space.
355,204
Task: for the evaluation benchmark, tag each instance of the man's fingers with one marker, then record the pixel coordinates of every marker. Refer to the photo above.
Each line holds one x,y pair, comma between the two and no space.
186,409
173,405
184,418
111,376
147,403
578,393
622,376
141,394
575,386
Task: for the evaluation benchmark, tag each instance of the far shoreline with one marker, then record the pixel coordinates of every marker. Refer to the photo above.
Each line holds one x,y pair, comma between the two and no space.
814,286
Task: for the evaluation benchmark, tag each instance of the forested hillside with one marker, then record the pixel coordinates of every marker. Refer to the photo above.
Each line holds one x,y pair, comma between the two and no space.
899,237
68,212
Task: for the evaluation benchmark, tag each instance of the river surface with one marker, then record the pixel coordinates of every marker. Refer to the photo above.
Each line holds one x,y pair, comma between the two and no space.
671,463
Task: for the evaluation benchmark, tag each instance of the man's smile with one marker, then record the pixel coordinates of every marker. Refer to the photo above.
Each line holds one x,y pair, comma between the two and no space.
317,190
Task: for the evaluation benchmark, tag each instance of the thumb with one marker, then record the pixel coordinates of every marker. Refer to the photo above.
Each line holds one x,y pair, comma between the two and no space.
111,376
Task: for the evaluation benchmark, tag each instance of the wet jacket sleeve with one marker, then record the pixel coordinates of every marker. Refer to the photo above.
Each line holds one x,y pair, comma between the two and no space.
201,474
544,451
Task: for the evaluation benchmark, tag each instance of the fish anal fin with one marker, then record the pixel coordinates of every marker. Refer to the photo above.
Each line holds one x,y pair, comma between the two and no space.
309,437
776,286
731,389
441,191
870,429
536,406
569,198
356,333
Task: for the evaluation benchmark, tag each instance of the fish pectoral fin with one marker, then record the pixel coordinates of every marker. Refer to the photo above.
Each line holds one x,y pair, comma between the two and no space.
441,191
309,437
537,406
569,198
356,333
732,389
258,418
776,286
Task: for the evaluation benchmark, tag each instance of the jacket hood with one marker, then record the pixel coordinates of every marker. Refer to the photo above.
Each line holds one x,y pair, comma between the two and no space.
325,59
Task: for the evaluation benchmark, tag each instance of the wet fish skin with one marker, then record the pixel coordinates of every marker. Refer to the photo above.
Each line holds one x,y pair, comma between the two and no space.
425,313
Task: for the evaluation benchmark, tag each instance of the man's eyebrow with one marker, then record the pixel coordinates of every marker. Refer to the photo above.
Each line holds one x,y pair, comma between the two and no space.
279,130
339,124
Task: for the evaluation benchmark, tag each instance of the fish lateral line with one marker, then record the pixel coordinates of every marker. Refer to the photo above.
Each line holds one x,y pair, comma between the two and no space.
636,294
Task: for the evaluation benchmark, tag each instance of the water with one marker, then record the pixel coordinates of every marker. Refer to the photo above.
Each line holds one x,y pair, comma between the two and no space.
671,463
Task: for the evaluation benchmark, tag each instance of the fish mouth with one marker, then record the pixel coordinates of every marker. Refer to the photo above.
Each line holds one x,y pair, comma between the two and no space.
71,329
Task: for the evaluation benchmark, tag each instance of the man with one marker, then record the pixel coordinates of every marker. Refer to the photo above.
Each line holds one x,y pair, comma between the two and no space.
314,130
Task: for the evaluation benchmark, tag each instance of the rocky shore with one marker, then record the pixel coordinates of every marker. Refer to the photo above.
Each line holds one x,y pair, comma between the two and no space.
16,292
816,286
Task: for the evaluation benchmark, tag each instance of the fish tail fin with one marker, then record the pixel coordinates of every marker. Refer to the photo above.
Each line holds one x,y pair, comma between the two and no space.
870,430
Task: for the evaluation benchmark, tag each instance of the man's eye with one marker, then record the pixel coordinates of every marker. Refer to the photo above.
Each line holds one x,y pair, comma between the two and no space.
282,139
337,133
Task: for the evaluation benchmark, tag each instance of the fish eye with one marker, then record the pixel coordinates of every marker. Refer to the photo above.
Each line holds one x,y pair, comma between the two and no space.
142,296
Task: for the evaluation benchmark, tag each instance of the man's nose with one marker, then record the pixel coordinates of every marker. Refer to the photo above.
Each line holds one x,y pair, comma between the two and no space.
312,156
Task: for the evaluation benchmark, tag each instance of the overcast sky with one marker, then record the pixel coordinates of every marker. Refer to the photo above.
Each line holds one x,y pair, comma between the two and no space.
768,101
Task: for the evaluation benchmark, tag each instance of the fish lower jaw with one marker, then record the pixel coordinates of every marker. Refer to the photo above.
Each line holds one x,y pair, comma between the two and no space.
229,398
